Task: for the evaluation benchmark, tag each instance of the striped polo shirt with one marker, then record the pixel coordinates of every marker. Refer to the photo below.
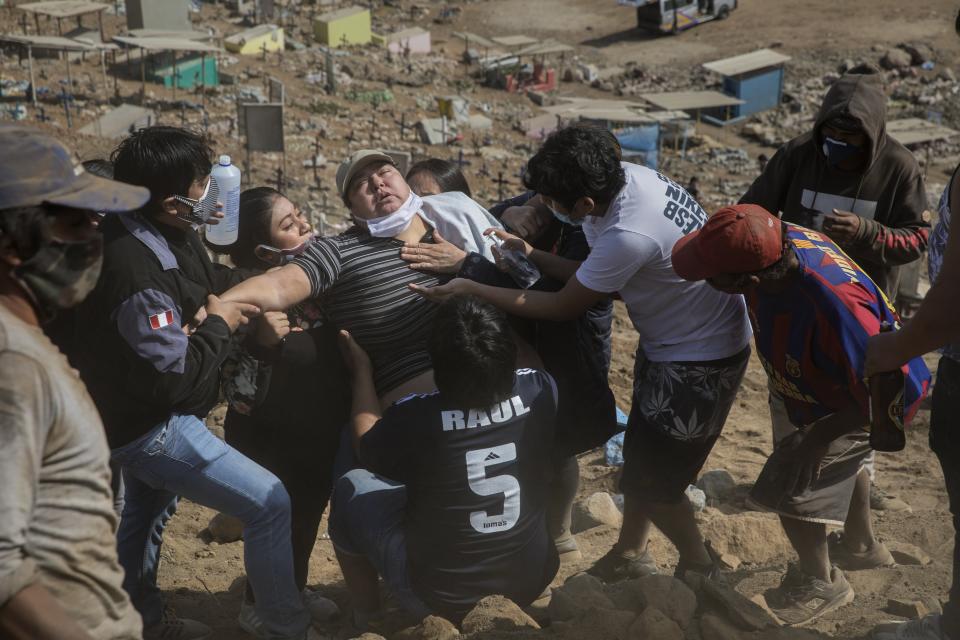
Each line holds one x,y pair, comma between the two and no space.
361,283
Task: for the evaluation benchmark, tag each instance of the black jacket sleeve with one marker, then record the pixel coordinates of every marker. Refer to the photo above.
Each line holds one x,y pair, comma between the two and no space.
168,367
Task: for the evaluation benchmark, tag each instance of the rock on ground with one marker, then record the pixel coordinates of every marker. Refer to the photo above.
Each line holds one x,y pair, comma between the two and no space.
716,627
595,510
225,529
579,593
718,484
737,608
611,624
896,59
668,595
907,554
755,538
497,613
653,624
431,628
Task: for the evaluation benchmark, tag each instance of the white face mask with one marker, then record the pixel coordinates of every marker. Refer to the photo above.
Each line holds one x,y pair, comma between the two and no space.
395,223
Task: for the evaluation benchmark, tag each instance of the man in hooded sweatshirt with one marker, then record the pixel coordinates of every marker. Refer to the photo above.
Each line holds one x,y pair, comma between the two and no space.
850,180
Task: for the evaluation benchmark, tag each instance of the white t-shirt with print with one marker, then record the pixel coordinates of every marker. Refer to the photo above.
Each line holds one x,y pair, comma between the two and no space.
630,249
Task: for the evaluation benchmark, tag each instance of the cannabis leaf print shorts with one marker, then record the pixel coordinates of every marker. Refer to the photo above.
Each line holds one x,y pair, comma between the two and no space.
678,412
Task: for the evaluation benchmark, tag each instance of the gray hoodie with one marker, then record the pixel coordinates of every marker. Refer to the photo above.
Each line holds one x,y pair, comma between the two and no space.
888,193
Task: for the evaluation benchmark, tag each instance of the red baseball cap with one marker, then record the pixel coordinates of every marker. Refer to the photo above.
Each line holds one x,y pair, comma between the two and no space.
743,238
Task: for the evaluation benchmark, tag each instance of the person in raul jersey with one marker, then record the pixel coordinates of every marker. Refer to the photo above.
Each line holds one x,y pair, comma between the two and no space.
451,504
812,310
696,340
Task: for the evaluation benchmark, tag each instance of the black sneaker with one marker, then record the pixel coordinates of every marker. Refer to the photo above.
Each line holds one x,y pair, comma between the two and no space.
710,571
801,599
616,566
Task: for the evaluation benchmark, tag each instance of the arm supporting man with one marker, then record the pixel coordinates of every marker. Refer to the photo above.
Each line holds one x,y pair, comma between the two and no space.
557,267
567,304
273,291
365,411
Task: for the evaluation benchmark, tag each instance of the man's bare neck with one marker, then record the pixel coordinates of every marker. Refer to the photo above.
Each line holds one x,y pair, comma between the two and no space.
414,230
14,299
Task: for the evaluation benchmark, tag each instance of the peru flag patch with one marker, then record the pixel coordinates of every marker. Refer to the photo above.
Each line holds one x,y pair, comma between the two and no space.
162,319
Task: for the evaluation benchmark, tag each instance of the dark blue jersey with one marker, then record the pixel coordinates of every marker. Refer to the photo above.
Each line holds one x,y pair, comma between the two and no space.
477,487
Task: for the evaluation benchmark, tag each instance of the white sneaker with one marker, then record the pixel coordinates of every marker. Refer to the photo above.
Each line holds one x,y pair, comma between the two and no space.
249,621
925,628
321,609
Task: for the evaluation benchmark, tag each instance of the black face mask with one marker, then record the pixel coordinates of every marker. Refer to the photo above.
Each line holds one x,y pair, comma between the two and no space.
838,151
61,273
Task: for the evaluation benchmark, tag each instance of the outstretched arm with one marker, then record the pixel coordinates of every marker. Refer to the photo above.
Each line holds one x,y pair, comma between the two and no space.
273,291
567,304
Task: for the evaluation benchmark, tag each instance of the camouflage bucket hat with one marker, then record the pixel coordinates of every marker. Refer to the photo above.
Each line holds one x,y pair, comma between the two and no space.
36,169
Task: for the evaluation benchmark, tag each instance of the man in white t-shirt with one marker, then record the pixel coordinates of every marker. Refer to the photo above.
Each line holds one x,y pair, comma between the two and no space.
694,339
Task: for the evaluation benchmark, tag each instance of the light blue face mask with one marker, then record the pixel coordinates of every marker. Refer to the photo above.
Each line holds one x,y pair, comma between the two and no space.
564,218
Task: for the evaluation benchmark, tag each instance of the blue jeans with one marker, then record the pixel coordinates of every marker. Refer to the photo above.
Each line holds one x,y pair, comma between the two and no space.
366,519
180,457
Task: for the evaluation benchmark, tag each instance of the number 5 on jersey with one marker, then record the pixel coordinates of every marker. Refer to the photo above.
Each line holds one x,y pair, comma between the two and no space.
477,462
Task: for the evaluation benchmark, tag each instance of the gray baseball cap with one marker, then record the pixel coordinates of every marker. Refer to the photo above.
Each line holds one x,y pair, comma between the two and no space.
36,169
357,161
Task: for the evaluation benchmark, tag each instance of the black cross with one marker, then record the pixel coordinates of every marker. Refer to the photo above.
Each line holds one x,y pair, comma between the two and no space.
500,183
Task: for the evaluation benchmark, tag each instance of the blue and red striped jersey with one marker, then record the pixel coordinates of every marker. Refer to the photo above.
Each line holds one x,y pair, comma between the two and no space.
812,338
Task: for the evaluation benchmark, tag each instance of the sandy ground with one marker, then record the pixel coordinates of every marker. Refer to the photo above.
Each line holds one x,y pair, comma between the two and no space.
205,580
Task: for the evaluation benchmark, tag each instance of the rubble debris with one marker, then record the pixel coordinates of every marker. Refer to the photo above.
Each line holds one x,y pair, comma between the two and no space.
430,628
910,609
595,510
497,613
717,484
908,554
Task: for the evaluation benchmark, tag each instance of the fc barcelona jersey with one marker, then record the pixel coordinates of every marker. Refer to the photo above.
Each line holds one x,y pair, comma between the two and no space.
812,338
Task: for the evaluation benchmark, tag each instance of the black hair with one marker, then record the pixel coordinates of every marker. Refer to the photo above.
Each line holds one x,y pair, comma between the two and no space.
578,161
24,228
473,353
256,214
446,173
99,167
166,160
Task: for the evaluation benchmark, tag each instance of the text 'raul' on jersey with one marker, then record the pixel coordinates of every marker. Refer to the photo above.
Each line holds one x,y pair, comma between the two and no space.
472,418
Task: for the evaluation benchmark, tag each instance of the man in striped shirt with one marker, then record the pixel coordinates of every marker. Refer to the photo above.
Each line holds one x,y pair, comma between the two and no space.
359,278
